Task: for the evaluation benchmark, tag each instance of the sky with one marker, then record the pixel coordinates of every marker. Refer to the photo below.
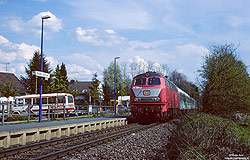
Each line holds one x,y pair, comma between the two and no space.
86,35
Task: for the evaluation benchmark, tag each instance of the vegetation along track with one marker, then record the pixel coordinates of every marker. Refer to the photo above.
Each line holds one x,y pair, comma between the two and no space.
57,148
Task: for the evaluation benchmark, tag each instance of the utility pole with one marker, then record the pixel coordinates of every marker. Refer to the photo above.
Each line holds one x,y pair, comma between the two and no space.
6,66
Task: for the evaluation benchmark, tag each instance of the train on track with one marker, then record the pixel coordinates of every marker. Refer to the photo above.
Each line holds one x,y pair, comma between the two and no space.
153,96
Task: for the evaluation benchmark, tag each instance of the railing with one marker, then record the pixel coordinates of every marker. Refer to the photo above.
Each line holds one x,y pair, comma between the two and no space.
87,111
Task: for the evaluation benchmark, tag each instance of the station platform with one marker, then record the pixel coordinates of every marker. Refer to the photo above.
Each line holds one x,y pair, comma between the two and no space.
21,134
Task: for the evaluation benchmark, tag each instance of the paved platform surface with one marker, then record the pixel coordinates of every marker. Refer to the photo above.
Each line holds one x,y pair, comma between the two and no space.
52,123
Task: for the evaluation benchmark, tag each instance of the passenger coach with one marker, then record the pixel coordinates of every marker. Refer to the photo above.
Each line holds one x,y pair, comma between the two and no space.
56,102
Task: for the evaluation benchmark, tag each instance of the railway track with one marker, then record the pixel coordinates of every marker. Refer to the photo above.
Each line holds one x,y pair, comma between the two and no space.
54,149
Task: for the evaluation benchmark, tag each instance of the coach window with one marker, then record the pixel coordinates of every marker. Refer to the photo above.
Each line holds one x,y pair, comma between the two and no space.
61,99
44,100
154,81
140,81
28,101
19,101
70,99
52,100
36,101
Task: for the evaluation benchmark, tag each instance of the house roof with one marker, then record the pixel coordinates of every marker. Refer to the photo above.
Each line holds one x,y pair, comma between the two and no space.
80,86
10,77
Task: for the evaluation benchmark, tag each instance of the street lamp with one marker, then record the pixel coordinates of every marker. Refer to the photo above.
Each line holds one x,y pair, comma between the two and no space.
115,82
41,79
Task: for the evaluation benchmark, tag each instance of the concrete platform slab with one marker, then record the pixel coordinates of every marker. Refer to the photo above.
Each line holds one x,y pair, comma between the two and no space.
21,134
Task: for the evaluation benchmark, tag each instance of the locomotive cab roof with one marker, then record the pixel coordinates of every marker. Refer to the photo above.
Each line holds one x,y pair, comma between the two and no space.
149,74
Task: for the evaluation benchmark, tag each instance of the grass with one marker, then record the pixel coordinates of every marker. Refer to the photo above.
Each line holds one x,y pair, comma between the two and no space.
205,136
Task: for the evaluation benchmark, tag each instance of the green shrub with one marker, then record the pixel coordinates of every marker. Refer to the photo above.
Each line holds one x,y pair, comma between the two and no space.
205,136
20,118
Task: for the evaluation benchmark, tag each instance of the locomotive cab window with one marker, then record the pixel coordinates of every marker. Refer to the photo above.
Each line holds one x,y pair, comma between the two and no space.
154,81
140,81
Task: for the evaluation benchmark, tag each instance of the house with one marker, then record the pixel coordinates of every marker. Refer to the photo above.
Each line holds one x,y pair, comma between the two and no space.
82,87
10,77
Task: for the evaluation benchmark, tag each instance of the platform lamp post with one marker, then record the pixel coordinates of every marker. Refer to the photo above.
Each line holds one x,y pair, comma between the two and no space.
115,84
41,79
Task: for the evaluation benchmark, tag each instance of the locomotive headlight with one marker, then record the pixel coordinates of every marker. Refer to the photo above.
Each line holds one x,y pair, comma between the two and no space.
157,99
137,99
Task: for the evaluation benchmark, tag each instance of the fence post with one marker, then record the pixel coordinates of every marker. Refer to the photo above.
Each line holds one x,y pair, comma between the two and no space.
97,110
29,106
64,112
77,109
88,111
2,114
48,112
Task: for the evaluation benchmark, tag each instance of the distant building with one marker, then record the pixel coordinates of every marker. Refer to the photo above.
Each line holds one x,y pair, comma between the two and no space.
83,88
10,77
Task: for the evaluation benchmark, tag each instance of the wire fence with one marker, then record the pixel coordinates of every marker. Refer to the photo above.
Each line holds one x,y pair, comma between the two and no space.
12,113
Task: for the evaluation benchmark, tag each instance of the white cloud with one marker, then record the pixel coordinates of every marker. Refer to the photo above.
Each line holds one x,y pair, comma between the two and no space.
52,61
26,51
53,24
17,55
3,40
147,45
142,64
98,37
77,72
82,66
7,57
13,51
82,60
16,24
110,31
158,68
190,49
130,60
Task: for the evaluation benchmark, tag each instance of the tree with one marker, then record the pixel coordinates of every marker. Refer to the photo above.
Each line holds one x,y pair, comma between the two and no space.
74,92
126,81
8,90
94,90
60,80
180,80
64,75
225,81
109,82
30,80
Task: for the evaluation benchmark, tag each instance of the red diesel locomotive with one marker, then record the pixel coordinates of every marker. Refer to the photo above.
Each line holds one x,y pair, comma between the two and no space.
153,96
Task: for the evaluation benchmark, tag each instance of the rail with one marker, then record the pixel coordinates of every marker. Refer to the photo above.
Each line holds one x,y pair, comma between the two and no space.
61,147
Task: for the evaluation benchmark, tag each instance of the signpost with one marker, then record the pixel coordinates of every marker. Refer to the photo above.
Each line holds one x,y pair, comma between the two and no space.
41,74
46,76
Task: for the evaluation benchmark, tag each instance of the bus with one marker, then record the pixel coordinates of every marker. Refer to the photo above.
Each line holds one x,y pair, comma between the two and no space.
53,103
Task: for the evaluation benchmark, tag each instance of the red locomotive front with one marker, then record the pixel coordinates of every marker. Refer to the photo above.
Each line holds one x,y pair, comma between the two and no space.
153,96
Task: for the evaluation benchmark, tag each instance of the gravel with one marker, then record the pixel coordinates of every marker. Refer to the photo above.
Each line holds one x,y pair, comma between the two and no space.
146,144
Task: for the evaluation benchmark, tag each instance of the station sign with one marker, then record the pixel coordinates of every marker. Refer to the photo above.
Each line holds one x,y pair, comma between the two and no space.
41,74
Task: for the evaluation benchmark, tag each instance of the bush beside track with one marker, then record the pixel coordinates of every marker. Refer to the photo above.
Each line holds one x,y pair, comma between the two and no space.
206,136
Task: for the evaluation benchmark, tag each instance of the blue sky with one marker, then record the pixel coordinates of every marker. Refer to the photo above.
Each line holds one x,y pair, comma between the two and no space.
86,35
